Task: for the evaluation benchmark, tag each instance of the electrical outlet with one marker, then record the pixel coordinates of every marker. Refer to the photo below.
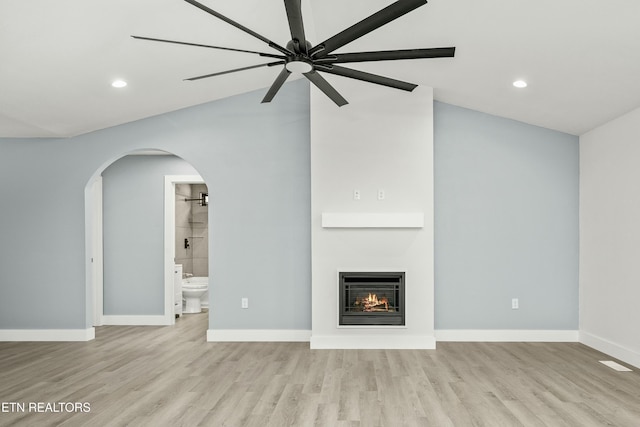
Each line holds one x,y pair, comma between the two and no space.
515,304
356,194
245,302
380,194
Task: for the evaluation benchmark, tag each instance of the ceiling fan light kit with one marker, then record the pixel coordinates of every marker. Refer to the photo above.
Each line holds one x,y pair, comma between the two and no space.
300,56
299,66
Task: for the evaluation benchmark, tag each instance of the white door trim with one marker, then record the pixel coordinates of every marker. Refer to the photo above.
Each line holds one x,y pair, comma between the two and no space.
94,253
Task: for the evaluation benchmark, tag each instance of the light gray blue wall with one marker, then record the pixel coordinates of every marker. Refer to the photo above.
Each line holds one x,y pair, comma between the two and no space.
133,228
42,235
506,223
254,158
506,213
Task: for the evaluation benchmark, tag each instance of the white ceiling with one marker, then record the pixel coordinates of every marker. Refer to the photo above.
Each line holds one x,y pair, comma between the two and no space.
581,58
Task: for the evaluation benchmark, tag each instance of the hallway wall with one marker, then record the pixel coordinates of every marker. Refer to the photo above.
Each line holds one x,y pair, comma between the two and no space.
133,228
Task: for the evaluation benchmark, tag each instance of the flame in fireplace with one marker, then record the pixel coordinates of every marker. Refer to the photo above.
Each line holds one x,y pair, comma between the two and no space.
373,303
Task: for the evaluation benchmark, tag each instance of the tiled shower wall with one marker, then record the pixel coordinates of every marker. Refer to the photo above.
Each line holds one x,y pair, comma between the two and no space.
192,224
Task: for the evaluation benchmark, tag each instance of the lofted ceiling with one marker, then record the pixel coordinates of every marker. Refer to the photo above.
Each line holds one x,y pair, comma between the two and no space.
581,58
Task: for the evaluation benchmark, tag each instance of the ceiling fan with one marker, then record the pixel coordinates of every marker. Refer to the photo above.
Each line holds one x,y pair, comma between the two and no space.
300,56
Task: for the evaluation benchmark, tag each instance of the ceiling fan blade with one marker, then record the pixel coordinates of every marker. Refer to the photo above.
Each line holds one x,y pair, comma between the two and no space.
270,64
325,87
277,84
238,26
367,77
375,21
296,25
270,55
388,55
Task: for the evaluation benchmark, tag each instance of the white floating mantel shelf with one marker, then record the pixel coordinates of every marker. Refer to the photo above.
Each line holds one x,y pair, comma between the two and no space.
373,220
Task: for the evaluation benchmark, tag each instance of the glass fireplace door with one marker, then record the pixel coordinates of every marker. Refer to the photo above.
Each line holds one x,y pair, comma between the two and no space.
371,298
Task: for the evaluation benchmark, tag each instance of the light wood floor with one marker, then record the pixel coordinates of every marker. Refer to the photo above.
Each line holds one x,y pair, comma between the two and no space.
169,376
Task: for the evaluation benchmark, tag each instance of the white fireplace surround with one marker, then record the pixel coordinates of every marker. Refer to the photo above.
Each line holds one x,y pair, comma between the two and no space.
382,142
376,336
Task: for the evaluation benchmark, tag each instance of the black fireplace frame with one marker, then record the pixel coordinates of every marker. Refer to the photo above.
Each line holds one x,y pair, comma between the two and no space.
373,280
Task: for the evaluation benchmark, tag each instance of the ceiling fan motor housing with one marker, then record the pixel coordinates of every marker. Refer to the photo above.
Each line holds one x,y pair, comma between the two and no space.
299,61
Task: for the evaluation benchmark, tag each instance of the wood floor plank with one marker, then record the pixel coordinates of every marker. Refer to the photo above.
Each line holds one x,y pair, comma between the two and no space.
156,376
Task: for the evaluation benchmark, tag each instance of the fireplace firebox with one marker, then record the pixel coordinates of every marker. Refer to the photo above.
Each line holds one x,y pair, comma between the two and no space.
369,298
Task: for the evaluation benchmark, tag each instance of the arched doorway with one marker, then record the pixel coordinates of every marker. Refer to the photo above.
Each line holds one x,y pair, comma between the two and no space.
162,221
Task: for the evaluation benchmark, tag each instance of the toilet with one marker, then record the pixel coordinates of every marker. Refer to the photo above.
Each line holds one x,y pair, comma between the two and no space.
193,288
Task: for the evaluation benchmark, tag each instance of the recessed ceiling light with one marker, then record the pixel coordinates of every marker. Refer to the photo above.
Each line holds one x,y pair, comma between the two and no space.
119,83
520,84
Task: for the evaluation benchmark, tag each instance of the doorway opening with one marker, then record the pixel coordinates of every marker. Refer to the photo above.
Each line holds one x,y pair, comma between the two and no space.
188,216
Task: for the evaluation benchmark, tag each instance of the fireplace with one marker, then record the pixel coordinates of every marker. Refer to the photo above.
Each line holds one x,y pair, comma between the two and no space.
369,298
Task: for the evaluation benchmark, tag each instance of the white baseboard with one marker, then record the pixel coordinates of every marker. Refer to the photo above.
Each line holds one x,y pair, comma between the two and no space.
47,334
136,320
616,350
258,335
506,335
370,342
